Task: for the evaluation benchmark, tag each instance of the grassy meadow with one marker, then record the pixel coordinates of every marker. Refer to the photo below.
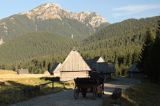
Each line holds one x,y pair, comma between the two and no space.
12,91
6,72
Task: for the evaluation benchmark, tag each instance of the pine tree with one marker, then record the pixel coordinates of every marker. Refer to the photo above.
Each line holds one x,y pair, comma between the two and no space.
150,58
146,52
154,58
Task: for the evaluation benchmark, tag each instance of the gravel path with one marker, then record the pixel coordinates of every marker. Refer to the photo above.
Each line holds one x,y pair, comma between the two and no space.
64,98
120,82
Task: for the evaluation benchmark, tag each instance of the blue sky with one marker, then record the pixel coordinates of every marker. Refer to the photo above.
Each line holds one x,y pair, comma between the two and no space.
112,10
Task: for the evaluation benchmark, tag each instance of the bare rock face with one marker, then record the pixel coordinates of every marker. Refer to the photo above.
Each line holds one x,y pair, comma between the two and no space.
53,11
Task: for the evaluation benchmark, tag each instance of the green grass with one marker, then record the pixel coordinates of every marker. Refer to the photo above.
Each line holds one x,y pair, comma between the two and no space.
13,91
145,94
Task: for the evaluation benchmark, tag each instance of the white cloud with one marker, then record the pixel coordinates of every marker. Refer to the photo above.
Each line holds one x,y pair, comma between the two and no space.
134,9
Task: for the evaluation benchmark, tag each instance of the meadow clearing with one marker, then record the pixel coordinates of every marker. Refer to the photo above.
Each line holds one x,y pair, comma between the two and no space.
12,86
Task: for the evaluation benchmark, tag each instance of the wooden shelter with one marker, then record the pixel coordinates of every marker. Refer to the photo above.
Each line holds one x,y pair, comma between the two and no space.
22,71
102,67
99,59
105,68
74,66
93,62
99,65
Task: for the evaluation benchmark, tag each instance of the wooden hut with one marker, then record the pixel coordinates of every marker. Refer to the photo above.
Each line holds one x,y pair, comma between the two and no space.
102,67
74,66
93,62
99,65
22,71
106,69
99,59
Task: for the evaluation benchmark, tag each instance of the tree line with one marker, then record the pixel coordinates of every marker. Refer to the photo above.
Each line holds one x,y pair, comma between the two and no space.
121,43
150,56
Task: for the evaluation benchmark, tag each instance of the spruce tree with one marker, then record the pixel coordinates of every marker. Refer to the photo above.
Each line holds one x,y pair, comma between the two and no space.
154,58
146,52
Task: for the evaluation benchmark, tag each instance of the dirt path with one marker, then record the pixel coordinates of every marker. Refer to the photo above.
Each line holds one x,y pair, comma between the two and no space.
120,82
65,98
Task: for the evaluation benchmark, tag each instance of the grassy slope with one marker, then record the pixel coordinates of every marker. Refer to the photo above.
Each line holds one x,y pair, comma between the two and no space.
18,25
145,94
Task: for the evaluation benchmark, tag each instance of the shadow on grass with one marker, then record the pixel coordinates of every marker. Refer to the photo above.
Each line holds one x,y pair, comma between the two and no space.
14,92
108,101
144,94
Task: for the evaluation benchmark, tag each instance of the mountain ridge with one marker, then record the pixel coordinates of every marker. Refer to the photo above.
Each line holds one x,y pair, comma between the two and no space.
53,19
54,11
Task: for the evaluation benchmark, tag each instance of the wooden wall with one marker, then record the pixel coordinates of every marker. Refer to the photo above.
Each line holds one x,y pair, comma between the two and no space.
65,76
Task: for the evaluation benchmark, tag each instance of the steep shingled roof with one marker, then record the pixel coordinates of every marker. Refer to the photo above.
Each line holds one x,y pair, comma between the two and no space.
75,62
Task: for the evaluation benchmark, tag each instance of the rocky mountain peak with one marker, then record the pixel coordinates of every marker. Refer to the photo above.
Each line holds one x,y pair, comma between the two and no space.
49,5
54,11
45,11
